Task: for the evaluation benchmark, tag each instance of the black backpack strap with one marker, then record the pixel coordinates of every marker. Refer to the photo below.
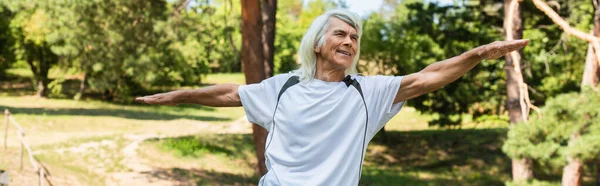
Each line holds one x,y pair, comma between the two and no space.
293,80
349,81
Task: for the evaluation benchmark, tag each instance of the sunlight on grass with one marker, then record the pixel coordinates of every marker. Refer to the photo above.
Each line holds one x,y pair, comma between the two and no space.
220,78
22,72
53,73
408,119
212,159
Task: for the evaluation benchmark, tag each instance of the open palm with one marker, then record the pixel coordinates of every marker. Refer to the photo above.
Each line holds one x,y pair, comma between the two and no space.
158,99
498,49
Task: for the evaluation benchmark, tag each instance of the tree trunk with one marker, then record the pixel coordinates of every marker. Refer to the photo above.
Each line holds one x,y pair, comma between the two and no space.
81,87
591,73
40,69
597,173
269,12
513,29
572,173
253,61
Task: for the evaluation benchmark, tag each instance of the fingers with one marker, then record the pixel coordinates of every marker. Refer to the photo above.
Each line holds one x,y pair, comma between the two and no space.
514,44
152,99
159,99
145,99
141,99
498,49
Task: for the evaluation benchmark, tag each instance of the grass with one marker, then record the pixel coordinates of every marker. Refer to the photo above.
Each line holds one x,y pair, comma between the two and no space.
87,159
220,78
223,158
51,121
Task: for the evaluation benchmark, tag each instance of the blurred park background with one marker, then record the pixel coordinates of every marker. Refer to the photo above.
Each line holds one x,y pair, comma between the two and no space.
69,71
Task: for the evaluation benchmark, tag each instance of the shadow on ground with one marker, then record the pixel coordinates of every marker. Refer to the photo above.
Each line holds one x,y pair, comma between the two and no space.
201,177
438,157
129,114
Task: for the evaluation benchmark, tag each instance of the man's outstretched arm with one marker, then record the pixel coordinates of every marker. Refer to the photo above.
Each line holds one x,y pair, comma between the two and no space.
223,95
441,73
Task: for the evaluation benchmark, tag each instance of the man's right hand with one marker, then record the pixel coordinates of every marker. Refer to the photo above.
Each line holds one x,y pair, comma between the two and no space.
223,95
159,99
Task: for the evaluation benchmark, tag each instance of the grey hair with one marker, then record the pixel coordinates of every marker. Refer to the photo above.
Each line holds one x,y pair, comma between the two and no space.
315,37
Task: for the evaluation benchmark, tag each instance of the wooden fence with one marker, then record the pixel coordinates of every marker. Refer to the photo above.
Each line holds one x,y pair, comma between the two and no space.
24,146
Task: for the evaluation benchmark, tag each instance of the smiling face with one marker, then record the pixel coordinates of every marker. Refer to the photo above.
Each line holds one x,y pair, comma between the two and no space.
341,43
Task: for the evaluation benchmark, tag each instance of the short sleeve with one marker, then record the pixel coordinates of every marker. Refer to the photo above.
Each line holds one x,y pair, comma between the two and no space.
380,92
259,100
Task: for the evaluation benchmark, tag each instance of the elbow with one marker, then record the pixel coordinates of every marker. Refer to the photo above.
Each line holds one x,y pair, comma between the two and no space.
232,97
426,86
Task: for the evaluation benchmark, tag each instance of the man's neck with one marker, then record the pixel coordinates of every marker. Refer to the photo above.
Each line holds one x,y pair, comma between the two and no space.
325,72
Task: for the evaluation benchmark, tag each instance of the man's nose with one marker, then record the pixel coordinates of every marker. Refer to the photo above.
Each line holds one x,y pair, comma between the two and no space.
347,42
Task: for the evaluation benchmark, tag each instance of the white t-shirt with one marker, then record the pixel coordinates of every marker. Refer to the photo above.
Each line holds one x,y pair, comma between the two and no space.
319,129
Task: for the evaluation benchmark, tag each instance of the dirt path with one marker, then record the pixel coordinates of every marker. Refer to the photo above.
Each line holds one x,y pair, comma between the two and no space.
142,174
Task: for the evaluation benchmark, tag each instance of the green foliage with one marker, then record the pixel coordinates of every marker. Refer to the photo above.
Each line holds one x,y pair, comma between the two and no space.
125,47
569,127
412,35
553,60
6,40
288,34
406,36
29,29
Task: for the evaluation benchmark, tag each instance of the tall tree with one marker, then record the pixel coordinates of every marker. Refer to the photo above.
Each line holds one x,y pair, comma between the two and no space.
30,30
572,172
591,73
513,29
269,12
253,59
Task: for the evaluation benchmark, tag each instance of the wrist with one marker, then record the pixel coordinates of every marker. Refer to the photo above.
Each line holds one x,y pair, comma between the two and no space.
179,96
475,54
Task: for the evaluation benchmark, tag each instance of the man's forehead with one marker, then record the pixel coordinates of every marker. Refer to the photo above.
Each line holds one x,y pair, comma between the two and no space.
337,24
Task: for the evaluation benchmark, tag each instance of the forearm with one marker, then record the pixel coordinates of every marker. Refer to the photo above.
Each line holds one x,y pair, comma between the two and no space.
441,73
223,95
449,70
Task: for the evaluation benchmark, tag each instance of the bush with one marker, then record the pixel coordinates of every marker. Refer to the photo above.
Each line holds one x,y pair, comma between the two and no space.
549,140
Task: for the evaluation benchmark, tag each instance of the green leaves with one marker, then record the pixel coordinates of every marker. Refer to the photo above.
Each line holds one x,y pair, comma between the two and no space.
570,127
124,47
412,34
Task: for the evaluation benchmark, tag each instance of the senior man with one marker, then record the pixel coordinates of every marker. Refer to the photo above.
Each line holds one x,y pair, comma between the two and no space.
321,117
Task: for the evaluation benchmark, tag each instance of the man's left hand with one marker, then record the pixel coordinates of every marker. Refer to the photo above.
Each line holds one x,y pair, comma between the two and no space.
498,49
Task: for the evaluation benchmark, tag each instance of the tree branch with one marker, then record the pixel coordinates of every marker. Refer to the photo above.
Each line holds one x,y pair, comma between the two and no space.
595,41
